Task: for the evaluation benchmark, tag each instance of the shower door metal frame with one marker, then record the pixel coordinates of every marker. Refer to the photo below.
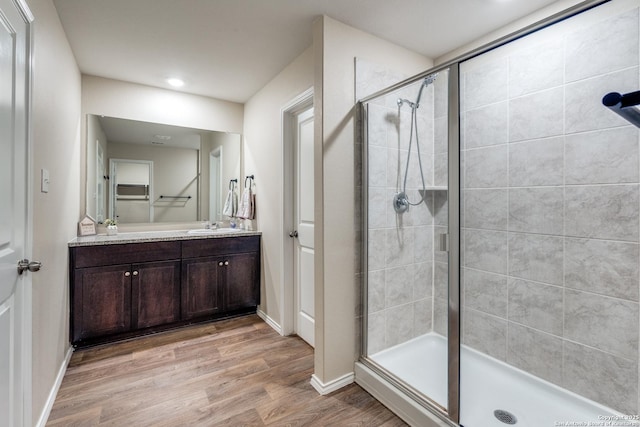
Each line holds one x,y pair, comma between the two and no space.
452,412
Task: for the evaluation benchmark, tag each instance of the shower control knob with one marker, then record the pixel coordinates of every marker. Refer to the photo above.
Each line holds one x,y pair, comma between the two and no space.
293,234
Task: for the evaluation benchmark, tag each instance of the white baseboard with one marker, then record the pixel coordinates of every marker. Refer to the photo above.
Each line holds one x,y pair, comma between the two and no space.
269,321
46,411
333,385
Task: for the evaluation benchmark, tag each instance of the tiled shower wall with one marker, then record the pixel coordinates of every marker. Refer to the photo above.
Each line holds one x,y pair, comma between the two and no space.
400,247
551,207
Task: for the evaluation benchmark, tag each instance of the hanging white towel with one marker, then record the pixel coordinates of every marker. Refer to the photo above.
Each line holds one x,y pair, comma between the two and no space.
247,204
231,204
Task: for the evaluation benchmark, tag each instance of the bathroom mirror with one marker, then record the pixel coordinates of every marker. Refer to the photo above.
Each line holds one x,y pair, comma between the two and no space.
141,172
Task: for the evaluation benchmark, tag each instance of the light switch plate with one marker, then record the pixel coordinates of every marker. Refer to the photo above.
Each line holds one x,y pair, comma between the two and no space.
44,181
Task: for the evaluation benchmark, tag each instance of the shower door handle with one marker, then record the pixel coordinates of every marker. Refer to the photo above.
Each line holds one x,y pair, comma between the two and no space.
444,242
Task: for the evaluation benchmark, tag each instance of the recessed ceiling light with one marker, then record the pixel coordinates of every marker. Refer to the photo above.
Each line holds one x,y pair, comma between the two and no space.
175,82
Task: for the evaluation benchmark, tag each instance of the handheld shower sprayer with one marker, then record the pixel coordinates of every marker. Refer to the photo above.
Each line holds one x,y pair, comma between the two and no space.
401,201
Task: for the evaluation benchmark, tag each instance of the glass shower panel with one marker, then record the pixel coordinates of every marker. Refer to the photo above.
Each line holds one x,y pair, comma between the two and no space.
407,276
550,226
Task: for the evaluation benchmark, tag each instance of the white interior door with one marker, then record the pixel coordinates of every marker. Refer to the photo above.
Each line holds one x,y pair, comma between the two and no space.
304,215
14,246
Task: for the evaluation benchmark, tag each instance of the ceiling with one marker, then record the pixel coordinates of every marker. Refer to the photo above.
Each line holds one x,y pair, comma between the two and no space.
229,49
135,132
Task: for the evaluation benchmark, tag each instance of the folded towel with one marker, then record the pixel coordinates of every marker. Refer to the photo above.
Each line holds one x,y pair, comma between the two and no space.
247,204
231,204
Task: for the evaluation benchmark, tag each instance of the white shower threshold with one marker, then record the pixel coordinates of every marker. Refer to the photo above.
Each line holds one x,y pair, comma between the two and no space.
486,385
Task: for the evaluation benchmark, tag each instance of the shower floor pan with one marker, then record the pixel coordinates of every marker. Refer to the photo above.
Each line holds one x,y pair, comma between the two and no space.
489,385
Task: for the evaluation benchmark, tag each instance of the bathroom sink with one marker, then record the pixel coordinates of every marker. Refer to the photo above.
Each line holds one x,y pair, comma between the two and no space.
204,231
201,231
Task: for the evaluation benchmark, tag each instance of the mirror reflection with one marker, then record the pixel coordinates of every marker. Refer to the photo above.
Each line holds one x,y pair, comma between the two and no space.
140,172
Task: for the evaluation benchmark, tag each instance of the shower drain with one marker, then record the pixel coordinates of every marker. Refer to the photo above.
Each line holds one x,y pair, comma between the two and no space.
505,416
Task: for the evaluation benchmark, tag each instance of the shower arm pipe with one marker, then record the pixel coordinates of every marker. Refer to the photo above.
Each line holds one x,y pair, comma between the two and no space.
626,106
550,20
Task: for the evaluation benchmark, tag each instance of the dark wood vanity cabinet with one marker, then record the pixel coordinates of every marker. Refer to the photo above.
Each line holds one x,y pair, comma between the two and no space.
219,276
124,290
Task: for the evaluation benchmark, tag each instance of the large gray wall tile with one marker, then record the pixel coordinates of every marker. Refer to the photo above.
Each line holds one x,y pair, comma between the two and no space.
440,316
537,68
377,212
376,330
399,247
377,242
485,333
538,115
486,84
602,377
603,47
441,280
583,101
536,162
536,257
423,281
485,292
486,208
604,157
486,250
399,285
536,305
486,167
375,294
605,212
536,210
604,267
422,316
377,174
399,324
486,126
609,324
533,351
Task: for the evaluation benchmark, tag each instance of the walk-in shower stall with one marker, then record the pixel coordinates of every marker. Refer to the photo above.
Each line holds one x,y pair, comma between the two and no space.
501,230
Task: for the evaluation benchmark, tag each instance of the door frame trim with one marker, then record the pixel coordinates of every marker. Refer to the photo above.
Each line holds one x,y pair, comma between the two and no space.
288,115
27,286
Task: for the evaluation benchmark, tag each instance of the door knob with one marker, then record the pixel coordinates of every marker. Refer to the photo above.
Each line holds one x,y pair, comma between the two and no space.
294,233
25,264
135,273
127,274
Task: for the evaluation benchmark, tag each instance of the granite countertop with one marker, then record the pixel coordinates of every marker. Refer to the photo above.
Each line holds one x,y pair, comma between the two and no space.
157,236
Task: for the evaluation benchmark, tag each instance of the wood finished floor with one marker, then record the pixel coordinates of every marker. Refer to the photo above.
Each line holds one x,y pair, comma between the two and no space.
236,372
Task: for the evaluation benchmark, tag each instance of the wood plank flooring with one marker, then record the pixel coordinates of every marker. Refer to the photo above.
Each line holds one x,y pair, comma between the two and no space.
236,372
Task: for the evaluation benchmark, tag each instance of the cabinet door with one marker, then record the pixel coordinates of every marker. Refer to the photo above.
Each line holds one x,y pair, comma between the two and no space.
101,301
155,293
201,291
241,285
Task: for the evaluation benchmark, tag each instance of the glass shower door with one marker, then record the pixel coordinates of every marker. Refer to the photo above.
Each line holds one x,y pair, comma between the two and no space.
406,234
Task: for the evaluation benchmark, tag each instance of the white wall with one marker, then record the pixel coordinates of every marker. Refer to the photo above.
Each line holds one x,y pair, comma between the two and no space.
56,147
263,158
337,215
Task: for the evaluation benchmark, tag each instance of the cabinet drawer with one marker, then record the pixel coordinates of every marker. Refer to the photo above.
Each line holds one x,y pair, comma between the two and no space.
220,246
92,256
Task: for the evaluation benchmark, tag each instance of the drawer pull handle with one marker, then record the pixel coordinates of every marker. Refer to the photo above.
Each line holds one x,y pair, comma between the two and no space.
226,263
135,273
127,274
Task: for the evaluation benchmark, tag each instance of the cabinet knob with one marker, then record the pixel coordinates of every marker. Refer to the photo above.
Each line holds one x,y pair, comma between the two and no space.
226,263
135,273
220,263
127,274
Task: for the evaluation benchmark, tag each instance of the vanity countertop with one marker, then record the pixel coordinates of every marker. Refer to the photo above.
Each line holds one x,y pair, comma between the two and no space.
156,236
